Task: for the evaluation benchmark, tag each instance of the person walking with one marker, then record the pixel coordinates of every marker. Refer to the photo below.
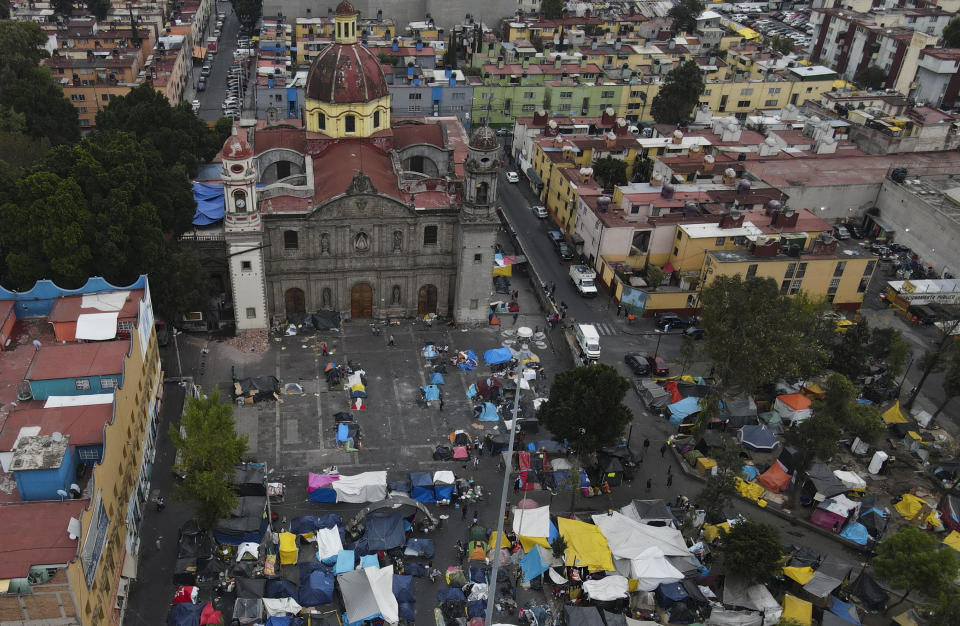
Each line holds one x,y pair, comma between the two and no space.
160,504
441,402
669,476
649,484
476,462
391,342
515,316
323,346
663,450
476,517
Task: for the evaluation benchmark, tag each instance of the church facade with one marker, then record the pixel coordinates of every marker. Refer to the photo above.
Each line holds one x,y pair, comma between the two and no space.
354,211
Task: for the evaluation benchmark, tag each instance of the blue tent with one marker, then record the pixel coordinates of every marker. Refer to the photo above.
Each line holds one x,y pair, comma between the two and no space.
323,494
471,362
421,484
209,199
749,472
369,560
403,588
407,611
384,532
533,564
279,588
846,612
856,532
444,492
436,378
184,614
430,392
477,575
560,478
671,593
421,547
757,438
683,408
451,594
429,351
345,562
496,356
472,390
317,589
343,433
309,523
489,413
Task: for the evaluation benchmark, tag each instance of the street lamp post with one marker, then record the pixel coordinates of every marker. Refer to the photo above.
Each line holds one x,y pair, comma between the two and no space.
492,590
176,348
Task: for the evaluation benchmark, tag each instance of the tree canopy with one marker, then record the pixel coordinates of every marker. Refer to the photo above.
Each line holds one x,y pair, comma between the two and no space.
752,551
611,171
98,8
913,561
951,382
840,405
551,9
755,335
208,450
586,407
678,95
782,45
870,77
684,14
951,34
248,11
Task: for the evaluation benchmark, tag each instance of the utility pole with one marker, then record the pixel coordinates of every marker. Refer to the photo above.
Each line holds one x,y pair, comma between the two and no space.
505,492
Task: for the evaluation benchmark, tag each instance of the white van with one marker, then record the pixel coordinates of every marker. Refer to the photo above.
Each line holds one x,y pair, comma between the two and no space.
588,339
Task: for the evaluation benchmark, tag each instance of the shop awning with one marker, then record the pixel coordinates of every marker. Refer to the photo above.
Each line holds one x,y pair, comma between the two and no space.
533,176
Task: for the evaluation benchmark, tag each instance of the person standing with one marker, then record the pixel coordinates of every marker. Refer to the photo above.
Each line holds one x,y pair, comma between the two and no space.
669,476
663,450
323,346
649,484
391,342
515,316
476,462
441,402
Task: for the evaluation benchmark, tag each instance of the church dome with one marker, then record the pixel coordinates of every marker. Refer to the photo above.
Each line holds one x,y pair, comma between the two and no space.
236,147
484,139
346,73
345,8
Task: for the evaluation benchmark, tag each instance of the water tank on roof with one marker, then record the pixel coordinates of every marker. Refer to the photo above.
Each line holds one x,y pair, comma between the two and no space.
552,124
667,191
743,186
770,141
730,172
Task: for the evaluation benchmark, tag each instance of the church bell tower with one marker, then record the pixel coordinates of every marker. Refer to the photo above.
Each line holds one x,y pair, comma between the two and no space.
478,226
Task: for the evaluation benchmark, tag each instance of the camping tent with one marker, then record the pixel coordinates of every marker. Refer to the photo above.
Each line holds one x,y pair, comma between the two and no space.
758,439
793,407
856,532
798,610
683,409
488,413
740,593
669,594
582,615
316,588
868,592
320,487
652,569
288,549
775,479
368,593
534,563
739,411
384,532
496,356
365,487
846,613
421,484
650,512
586,545
825,483
830,575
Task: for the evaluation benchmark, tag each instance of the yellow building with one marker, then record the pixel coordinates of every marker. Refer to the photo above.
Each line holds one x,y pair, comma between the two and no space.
693,241
792,86
361,107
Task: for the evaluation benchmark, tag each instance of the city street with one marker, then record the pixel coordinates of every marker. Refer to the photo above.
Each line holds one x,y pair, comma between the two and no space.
211,99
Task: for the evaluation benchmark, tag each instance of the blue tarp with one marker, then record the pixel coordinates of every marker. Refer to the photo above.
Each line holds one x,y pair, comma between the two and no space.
477,608
279,588
210,208
560,479
471,362
496,356
422,487
369,560
489,413
846,612
324,494
680,410
384,532
317,589
533,564
749,472
436,378
309,523
421,547
403,588
757,438
856,532
284,620
345,561
671,593
430,392
407,611
451,594
429,351
549,445
184,614
472,390
444,492
343,432
477,575
421,479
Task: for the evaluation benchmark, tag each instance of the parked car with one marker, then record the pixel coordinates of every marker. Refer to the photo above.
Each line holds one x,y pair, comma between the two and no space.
513,177
674,321
540,211
637,364
195,105
202,85
694,332
841,232
555,236
565,251
855,231
657,364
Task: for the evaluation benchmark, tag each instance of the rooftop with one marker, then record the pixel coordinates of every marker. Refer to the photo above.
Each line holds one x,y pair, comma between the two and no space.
807,221
69,308
844,250
78,360
39,452
939,191
822,170
712,231
35,533
84,424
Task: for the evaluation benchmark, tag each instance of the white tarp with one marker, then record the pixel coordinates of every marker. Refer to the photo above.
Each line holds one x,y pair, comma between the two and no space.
532,522
367,593
652,568
97,326
720,617
328,542
281,606
607,589
740,593
850,479
840,505
365,487
56,402
444,477
559,464
109,301
628,539
248,547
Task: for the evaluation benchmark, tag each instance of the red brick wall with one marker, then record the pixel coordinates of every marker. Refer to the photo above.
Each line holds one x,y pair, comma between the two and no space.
49,601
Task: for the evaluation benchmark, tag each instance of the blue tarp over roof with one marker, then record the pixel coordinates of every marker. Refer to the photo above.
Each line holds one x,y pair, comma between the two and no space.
209,200
846,612
421,479
533,564
309,523
317,590
385,532
489,413
497,356
856,532
683,408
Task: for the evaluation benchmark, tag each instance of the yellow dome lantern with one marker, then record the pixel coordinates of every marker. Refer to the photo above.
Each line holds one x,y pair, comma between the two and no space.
345,18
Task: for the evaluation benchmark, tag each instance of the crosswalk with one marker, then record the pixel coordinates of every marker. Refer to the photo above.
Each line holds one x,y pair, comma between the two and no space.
605,328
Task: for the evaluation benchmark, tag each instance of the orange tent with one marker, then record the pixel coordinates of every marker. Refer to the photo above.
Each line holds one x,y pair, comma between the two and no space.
775,479
796,401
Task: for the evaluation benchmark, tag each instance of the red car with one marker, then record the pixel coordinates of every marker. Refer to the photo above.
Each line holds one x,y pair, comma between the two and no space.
657,365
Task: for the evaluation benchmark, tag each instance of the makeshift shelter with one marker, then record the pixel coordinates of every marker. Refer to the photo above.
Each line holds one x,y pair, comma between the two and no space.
679,411
346,559
653,395
798,610
421,487
444,484
184,615
756,597
801,575
893,415
586,545
607,589
368,593
257,389
247,522
320,487
865,590
850,480
650,512
830,514
611,470
365,487
582,615
845,612
535,562
280,606
723,617
758,439
910,506
488,413
288,549
739,411
316,588
669,594
531,522
856,532
831,573
775,479
419,546
825,484
651,569
496,356
384,532
875,521
249,480
279,588
793,407
247,610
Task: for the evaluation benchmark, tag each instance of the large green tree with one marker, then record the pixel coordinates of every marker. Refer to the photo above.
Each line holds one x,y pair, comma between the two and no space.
840,405
552,9
586,407
208,450
684,14
610,171
755,336
912,560
851,348
946,610
248,11
62,7
887,345
814,438
98,8
870,77
180,137
951,33
678,94
28,89
720,487
752,551
951,383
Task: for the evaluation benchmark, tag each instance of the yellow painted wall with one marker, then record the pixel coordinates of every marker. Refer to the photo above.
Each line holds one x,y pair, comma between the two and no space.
561,199
114,480
335,116
761,95
668,300
690,252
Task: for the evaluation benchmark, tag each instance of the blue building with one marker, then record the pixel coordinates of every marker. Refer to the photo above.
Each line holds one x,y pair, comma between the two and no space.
44,465
76,369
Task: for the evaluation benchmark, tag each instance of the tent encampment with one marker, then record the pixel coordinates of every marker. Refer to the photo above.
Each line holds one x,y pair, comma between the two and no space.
421,484
607,589
316,588
364,487
288,549
865,590
368,593
384,532
793,407
798,610
831,574
758,439
776,478
650,512
586,545
756,597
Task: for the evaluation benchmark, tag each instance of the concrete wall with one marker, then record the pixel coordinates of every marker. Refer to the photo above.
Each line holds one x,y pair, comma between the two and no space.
932,235
444,12
841,202
931,86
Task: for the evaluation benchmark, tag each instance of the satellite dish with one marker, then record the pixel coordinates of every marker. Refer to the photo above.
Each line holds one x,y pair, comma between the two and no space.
62,494
57,436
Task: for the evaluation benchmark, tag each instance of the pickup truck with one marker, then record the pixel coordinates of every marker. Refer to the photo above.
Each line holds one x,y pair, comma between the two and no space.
584,280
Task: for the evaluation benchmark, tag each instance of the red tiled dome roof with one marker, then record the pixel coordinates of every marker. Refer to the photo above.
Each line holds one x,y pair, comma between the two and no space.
345,8
345,73
236,148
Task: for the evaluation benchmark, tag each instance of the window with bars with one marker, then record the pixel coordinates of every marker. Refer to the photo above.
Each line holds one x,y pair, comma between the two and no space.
838,270
791,270
795,287
82,384
108,382
752,270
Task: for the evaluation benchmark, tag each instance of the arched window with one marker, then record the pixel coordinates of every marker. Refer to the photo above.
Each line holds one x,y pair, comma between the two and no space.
338,29
291,240
376,119
350,124
321,121
482,193
240,201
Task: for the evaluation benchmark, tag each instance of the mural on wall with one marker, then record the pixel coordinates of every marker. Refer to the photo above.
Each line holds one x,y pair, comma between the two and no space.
634,300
